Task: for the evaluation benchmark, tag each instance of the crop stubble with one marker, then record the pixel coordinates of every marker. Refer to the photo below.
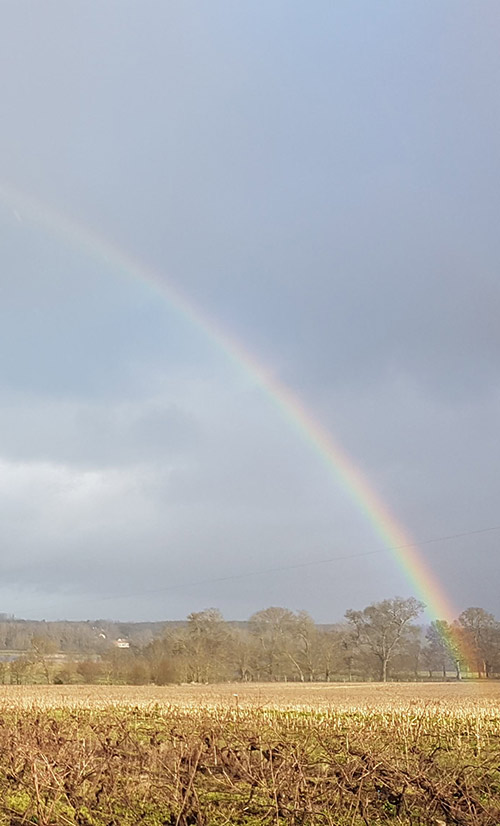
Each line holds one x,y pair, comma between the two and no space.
273,754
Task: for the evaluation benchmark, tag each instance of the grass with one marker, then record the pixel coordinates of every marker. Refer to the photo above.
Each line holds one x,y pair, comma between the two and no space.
347,755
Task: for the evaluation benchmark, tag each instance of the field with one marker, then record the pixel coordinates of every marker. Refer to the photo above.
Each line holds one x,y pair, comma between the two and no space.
344,755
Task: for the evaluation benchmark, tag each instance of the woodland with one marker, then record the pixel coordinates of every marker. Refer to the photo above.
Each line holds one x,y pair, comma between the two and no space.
384,641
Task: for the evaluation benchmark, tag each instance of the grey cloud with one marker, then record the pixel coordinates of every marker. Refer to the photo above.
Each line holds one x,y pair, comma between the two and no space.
324,184
96,435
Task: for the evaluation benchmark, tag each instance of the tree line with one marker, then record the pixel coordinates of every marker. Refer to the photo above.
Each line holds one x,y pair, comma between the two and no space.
380,642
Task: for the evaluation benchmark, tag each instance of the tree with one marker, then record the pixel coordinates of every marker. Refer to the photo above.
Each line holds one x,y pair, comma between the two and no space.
273,629
440,653
382,628
243,654
482,637
20,670
409,658
303,653
205,645
90,671
336,652
42,649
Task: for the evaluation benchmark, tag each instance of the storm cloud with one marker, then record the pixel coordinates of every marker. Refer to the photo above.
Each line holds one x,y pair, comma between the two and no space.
322,183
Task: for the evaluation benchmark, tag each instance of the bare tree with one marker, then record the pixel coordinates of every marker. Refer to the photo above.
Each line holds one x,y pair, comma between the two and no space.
206,641
482,632
273,628
243,654
41,650
304,652
381,628
440,652
336,652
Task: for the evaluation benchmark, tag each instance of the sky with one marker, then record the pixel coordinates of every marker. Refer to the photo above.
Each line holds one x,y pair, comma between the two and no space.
314,186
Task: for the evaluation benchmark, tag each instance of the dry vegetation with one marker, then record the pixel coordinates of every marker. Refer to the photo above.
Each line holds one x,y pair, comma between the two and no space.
284,754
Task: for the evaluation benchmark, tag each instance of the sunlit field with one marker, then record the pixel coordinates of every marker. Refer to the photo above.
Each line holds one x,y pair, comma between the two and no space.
453,697
251,754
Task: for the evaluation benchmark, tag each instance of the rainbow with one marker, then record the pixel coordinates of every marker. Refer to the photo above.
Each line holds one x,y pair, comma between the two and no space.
404,550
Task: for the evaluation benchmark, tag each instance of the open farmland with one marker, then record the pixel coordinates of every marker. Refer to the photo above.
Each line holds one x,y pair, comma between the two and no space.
274,754
450,698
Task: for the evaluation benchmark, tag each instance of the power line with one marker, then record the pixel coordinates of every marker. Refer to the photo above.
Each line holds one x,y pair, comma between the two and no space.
299,565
